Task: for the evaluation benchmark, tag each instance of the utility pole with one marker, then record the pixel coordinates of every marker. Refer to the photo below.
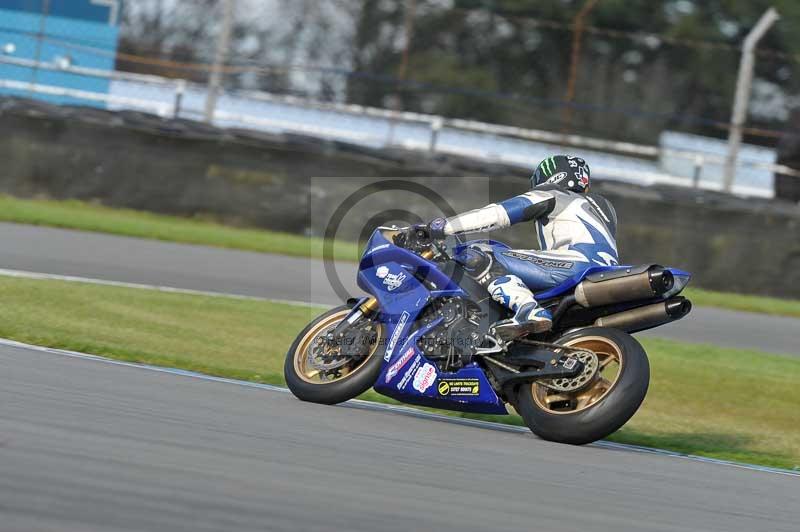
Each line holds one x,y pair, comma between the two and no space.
408,29
578,24
742,97
409,13
223,44
39,38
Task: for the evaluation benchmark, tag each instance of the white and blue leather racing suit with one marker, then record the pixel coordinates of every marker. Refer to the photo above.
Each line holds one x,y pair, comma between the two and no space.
575,231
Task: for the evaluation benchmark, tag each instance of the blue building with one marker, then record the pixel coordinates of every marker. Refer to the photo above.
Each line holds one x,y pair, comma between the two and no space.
79,33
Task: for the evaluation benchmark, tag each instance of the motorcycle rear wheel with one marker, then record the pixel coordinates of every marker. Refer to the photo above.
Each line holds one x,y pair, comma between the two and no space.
309,383
600,407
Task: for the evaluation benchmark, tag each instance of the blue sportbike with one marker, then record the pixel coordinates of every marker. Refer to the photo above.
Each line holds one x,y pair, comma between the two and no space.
424,336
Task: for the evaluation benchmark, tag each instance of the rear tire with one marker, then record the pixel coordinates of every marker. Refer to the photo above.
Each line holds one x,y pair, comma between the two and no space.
612,408
362,376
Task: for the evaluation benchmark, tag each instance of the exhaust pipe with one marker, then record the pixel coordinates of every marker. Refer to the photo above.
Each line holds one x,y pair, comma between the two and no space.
647,317
650,284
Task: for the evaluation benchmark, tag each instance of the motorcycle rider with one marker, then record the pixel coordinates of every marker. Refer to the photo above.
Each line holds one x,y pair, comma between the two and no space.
575,229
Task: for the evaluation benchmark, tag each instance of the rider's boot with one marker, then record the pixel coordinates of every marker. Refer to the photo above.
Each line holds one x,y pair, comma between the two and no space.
529,317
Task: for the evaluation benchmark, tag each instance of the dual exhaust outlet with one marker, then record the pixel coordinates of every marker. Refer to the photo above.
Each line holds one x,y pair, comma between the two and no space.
648,316
649,284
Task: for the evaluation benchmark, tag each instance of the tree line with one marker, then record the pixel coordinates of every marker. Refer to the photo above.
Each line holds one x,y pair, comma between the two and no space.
645,65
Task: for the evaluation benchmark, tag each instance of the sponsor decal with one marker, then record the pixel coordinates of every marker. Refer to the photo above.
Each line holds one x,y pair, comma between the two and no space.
424,377
459,387
558,178
398,330
408,374
540,261
549,166
391,280
376,248
394,280
395,368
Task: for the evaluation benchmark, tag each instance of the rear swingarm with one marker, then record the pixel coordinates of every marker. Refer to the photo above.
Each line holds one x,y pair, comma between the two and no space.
533,365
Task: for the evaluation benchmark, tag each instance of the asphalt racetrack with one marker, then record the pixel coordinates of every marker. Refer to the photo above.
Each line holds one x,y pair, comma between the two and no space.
92,446
76,253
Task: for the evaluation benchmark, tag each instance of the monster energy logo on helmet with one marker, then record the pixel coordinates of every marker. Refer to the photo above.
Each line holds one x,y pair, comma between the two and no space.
548,166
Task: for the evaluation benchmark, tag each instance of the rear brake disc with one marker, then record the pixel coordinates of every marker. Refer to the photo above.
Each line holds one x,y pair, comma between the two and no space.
590,367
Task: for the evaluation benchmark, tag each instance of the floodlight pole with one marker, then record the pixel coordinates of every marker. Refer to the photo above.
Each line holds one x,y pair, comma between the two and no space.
223,43
741,100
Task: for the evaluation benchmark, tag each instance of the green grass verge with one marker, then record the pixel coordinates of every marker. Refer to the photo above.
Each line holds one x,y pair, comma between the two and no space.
703,400
747,303
91,217
73,214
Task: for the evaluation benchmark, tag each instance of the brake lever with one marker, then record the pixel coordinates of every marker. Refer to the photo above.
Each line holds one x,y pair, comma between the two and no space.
400,239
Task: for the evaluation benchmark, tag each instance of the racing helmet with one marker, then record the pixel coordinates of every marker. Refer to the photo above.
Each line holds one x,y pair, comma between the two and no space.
571,173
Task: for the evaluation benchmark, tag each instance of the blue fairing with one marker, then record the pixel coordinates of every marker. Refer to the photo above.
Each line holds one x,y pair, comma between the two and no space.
412,378
681,280
391,273
393,276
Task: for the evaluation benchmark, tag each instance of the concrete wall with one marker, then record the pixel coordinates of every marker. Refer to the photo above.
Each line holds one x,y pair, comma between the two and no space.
295,184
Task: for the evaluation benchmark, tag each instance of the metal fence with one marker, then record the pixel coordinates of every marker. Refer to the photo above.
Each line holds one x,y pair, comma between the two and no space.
376,127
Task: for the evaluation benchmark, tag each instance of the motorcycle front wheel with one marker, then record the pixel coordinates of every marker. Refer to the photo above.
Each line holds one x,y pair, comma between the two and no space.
597,407
321,371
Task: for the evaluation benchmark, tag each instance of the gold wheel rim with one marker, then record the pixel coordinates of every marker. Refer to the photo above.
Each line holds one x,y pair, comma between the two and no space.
610,361
301,356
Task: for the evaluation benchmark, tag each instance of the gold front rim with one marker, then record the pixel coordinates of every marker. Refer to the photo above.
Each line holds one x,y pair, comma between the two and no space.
610,361
311,343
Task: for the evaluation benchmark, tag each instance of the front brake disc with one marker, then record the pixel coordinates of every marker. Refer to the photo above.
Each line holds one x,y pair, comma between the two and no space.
326,356
322,361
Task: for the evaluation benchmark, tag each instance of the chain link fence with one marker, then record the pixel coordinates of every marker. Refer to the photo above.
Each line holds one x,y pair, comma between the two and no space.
646,107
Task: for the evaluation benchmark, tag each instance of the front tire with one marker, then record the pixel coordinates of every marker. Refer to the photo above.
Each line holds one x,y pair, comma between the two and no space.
309,383
601,407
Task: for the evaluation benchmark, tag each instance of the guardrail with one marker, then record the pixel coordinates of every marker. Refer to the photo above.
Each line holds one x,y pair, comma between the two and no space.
434,124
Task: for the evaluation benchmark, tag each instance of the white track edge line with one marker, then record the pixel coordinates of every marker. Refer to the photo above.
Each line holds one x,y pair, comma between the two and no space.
367,405
22,274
